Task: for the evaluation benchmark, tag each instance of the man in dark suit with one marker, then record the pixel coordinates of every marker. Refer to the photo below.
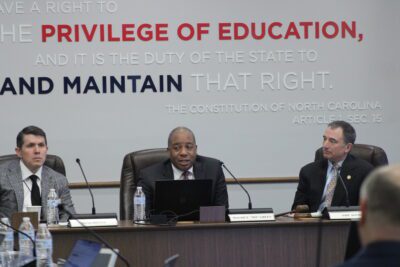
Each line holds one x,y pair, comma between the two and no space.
184,163
319,182
29,179
379,226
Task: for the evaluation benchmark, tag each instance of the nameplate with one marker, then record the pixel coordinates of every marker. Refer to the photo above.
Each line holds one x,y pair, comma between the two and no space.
344,213
253,215
98,222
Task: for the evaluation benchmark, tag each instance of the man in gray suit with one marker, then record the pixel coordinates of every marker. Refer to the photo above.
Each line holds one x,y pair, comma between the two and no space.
29,178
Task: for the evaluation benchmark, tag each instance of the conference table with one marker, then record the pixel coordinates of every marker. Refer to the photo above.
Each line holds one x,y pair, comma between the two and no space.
283,242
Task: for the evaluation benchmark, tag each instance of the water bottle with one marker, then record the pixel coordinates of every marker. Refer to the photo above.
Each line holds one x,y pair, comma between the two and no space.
139,205
8,242
52,207
25,244
44,247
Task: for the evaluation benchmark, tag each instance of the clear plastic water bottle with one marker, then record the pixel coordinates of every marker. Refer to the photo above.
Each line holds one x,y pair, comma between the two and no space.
8,243
44,247
25,244
52,207
139,205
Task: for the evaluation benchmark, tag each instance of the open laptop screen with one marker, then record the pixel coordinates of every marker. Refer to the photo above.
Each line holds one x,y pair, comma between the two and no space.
181,197
83,254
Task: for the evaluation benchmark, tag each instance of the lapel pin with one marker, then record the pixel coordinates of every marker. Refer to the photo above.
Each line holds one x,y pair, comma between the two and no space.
348,177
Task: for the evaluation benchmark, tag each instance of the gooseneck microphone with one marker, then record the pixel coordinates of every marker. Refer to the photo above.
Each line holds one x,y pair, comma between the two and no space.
345,188
88,186
237,181
97,236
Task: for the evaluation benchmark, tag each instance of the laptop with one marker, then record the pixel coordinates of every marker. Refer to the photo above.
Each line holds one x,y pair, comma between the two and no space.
86,253
182,199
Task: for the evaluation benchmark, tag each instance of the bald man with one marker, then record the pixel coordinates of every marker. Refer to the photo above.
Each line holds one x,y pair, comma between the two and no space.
379,227
184,163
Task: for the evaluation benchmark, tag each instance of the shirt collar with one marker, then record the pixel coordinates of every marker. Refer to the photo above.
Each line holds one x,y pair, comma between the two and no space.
339,164
178,172
25,172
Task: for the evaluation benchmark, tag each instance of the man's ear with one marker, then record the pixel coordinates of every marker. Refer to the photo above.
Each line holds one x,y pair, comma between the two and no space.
18,152
349,146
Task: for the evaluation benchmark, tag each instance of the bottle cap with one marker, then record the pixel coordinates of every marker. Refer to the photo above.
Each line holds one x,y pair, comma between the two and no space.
5,220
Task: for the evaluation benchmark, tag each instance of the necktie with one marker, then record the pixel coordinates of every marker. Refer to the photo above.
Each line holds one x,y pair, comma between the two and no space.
185,175
331,186
35,192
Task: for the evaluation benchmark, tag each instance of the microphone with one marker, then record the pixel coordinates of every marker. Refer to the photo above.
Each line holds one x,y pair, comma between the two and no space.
237,181
88,186
345,188
250,214
100,219
97,236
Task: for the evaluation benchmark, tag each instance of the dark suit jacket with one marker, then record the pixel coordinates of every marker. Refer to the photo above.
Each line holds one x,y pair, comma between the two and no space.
11,179
312,181
203,168
381,254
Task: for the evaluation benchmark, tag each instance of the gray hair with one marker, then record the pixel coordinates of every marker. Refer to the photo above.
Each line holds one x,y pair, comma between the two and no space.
381,190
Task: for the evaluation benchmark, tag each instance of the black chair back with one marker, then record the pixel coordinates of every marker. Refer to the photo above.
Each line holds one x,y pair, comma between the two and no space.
133,163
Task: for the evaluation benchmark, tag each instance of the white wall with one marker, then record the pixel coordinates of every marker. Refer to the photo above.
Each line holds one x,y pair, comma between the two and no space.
353,78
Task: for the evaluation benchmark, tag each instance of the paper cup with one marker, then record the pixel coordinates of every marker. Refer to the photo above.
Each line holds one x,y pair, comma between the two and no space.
34,209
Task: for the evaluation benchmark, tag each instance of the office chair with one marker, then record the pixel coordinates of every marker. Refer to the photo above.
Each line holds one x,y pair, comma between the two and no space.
133,163
373,154
52,161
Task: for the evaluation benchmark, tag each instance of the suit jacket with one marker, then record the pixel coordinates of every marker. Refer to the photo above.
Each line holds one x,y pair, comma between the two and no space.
203,168
312,181
8,203
382,253
11,179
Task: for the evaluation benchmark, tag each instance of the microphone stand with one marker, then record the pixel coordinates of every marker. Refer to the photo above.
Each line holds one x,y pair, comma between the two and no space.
94,216
87,184
97,236
250,205
249,214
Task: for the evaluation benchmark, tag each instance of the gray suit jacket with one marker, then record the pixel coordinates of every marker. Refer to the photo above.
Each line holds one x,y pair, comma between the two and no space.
8,204
11,178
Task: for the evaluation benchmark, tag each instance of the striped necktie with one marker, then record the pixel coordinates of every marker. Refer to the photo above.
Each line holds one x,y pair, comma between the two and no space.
331,186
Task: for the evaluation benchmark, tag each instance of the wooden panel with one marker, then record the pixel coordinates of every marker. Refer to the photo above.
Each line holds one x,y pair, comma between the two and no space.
260,180
286,242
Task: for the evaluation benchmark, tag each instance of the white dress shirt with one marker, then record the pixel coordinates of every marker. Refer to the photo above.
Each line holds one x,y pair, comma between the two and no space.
178,173
27,183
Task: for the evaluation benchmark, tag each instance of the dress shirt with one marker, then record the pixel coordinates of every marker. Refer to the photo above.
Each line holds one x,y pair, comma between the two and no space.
178,173
329,177
26,173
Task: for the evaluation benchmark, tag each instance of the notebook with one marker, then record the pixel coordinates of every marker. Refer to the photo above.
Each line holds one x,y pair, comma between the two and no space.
180,197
